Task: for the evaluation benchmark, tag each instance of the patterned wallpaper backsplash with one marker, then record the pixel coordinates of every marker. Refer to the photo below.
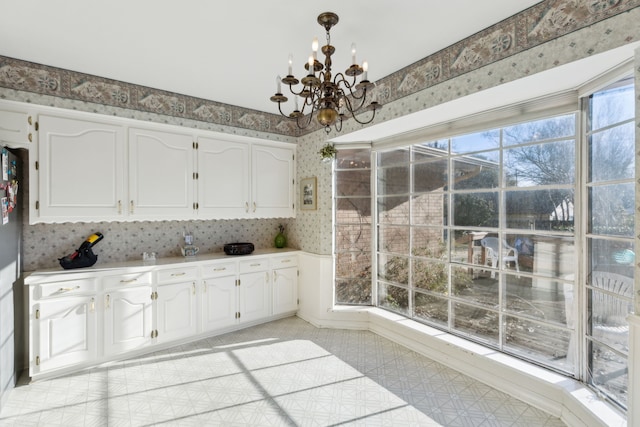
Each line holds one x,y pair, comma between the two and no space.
548,35
126,241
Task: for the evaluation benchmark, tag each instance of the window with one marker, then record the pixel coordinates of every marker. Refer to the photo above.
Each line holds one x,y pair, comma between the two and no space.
518,236
610,237
469,231
353,226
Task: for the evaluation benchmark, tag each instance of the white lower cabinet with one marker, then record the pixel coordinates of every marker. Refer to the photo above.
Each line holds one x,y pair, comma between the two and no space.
285,284
219,303
254,296
254,289
176,309
219,295
79,319
128,319
63,319
64,333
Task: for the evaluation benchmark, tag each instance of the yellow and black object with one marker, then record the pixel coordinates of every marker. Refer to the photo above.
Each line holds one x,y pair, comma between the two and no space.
83,256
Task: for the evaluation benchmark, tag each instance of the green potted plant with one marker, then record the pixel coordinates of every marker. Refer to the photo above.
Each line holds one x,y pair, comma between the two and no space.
328,152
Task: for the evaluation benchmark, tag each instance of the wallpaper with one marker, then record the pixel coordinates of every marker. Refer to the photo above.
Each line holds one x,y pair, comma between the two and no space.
550,34
532,27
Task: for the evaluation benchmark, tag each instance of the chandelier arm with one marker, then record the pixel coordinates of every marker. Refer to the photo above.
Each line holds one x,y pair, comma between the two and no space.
340,78
280,109
373,116
350,106
339,128
357,110
294,92
308,118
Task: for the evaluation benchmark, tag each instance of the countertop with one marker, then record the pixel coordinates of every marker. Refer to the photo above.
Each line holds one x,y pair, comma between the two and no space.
32,277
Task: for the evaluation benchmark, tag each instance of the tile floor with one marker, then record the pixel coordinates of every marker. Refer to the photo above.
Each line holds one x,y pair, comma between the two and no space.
283,373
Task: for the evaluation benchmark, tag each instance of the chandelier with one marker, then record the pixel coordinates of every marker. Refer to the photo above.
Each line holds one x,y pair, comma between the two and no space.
330,97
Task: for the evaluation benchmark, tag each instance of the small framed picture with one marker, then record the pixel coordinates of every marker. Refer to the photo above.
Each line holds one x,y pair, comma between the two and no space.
308,196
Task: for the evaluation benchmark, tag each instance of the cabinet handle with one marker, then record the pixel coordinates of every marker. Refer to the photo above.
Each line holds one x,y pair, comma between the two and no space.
131,207
246,207
68,289
285,260
178,274
204,286
254,206
194,287
128,281
266,274
30,137
275,276
220,269
29,120
256,264
107,301
119,207
92,305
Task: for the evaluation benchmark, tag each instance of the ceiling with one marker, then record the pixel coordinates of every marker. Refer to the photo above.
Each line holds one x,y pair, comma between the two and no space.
233,53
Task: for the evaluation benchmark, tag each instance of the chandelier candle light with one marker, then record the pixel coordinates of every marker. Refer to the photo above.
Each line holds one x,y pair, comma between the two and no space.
331,98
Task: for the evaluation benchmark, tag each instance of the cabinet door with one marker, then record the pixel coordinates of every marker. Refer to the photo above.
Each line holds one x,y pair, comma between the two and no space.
285,290
64,333
272,181
80,170
176,311
161,175
219,303
223,179
128,318
16,128
255,296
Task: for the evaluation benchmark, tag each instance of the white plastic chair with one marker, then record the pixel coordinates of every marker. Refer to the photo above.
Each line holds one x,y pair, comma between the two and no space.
492,253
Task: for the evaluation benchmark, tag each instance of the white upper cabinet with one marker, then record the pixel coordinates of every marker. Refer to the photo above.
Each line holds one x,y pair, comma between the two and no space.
223,178
92,168
161,175
81,173
17,126
272,178
245,180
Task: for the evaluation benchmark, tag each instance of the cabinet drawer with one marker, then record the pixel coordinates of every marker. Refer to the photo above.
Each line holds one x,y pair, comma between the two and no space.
219,269
66,288
250,265
284,261
131,279
177,274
